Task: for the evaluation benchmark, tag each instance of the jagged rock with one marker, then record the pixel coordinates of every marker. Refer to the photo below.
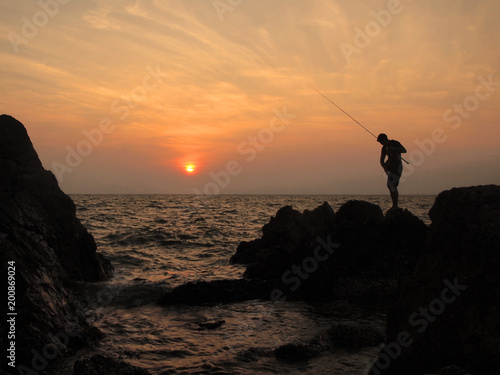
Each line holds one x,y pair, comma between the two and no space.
39,231
450,305
218,291
286,235
289,239
105,365
309,253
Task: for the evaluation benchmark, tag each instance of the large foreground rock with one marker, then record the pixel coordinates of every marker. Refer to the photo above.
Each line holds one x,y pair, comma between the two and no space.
46,246
448,312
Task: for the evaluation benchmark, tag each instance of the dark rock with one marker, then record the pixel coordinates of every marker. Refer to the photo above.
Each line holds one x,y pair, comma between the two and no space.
298,352
210,325
404,240
358,227
33,202
377,246
39,231
460,324
340,336
354,336
218,291
359,212
105,365
310,253
288,239
285,236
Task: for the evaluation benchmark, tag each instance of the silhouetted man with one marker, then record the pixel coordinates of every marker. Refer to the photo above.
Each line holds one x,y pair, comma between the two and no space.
393,167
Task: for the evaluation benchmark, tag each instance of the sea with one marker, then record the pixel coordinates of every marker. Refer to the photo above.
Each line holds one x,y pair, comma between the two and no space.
157,242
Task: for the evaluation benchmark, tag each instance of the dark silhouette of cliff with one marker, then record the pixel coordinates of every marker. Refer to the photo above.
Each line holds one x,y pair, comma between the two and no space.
48,247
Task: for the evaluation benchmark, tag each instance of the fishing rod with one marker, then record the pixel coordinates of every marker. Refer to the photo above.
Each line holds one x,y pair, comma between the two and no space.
356,121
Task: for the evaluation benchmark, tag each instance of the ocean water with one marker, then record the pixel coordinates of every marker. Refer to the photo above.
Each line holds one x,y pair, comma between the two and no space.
157,242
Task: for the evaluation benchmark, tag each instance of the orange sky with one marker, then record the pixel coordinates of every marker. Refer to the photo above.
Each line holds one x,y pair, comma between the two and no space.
119,96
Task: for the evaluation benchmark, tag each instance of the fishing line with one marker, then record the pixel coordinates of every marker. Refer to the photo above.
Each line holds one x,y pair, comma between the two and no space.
356,121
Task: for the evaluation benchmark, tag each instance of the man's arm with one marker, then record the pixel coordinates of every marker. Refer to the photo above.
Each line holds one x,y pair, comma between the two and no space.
382,157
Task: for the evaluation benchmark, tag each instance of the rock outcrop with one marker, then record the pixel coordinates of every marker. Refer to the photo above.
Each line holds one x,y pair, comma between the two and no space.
43,246
313,254
286,239
447,312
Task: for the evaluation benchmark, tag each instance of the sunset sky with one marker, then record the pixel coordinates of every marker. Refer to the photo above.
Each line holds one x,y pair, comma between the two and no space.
120,96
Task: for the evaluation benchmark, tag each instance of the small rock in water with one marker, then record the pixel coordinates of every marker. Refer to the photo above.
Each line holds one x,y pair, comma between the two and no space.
210,325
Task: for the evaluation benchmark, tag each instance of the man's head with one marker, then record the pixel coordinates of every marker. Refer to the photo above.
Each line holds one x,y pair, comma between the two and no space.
382,139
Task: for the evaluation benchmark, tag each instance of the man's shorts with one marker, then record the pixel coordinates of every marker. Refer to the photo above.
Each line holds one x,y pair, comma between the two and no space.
394,175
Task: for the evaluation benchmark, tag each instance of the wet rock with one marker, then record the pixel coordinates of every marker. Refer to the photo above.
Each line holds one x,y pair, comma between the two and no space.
218,291
210,325
451,303
47,247
105,365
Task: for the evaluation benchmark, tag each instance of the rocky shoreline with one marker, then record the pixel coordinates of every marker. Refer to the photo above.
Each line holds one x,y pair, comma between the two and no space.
439,283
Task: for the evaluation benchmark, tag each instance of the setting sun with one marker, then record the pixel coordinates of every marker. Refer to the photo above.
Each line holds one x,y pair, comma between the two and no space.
190,168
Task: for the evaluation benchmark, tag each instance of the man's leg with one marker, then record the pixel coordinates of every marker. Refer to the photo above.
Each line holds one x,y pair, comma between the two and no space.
394,197
392,184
